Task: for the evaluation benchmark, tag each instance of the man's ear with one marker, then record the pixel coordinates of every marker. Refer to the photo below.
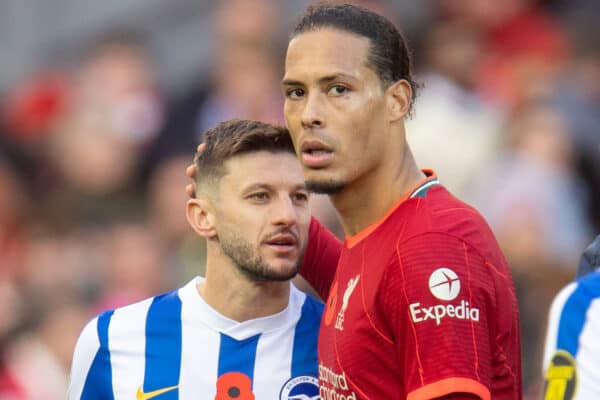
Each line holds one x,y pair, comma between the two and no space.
200,216
399,96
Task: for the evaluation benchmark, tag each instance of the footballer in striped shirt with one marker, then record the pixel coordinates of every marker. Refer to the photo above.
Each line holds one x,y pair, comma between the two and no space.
241,332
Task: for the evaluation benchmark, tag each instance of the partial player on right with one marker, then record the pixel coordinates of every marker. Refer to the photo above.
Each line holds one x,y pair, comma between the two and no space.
572,353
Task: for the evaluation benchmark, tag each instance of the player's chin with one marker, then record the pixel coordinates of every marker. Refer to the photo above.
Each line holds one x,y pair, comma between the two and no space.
323,184
284,269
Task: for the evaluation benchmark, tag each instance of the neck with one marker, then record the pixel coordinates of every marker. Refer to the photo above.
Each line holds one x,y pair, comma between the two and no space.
368,198
235,296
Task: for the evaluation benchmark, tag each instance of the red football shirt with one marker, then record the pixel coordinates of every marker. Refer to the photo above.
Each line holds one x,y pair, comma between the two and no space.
422,305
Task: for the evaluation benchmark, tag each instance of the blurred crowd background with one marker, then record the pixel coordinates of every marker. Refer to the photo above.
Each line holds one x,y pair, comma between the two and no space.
103,103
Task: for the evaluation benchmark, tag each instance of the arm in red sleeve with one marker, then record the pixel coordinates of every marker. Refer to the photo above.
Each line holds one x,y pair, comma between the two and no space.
439,297
320,258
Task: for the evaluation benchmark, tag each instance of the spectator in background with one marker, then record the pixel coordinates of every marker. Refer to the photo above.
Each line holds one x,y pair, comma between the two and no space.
11,316
14,208
243,81
44,347
134,265
453,131
184,252
534,189
534,203
524,47
577,96
114,115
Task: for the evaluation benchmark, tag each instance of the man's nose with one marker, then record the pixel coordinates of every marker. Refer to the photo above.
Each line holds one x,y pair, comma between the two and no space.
284,212
312,113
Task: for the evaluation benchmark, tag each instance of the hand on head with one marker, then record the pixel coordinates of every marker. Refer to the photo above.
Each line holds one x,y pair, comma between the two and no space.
191,172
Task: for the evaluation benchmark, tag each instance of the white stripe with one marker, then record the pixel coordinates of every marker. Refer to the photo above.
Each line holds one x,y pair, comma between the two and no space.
127,345
588,356
200,351
274,353
554,321
423,187
273,363
85,351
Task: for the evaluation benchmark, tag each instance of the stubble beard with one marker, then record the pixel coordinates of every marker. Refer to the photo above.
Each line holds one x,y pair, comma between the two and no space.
251,265
325,187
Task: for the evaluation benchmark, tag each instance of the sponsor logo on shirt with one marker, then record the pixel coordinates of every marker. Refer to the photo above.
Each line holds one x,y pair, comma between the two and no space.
444,284
300,388
339,322
334,386
140,395
561,377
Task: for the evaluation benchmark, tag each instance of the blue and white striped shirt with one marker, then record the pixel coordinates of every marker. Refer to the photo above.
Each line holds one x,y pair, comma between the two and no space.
572,353
175,346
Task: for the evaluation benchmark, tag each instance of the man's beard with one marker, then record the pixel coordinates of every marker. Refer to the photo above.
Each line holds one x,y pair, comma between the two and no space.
251,264
325,187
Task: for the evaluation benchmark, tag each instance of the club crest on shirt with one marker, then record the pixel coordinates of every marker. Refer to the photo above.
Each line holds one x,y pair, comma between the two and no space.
561,377
339,322
300,388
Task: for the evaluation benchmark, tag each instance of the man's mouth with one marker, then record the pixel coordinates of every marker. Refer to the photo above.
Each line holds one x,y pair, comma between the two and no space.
282,242
316,154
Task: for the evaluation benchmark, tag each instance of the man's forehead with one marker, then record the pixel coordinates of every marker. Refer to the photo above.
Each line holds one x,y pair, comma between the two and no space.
327,49
263,167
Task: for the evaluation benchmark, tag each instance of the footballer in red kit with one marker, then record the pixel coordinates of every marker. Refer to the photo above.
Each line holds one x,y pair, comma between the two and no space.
422,303
421,306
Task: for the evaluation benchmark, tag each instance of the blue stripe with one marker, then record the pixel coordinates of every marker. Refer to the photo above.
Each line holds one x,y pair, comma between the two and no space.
98,383
237,355
573,316
163,345
304,353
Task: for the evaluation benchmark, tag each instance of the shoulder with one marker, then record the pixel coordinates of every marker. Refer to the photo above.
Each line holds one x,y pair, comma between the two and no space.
440,219
578,297
131,320
306,306
90,363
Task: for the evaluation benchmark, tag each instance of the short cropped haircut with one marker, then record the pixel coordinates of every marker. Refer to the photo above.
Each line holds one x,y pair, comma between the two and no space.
235,137
389,55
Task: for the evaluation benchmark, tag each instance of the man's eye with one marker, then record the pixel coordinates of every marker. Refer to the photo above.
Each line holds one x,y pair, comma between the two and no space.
300,197
337,90
259,196
294,93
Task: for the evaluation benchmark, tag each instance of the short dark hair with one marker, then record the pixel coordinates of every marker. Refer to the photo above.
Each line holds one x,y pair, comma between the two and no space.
234,137
389,55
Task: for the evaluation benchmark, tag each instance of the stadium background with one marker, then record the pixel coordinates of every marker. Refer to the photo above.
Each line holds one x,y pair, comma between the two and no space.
102,104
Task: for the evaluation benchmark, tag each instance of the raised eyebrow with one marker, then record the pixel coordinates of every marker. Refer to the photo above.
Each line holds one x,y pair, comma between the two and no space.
335,77
257,186
321,81
290,82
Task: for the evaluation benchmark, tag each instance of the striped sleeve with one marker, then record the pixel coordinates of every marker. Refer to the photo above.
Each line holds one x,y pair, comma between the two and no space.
91,377
572,351
554,322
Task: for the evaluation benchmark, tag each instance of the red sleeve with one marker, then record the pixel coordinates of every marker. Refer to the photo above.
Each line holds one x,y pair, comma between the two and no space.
440,296
320,258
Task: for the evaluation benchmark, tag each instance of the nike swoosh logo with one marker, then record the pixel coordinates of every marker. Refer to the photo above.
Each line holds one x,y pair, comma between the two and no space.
146,396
